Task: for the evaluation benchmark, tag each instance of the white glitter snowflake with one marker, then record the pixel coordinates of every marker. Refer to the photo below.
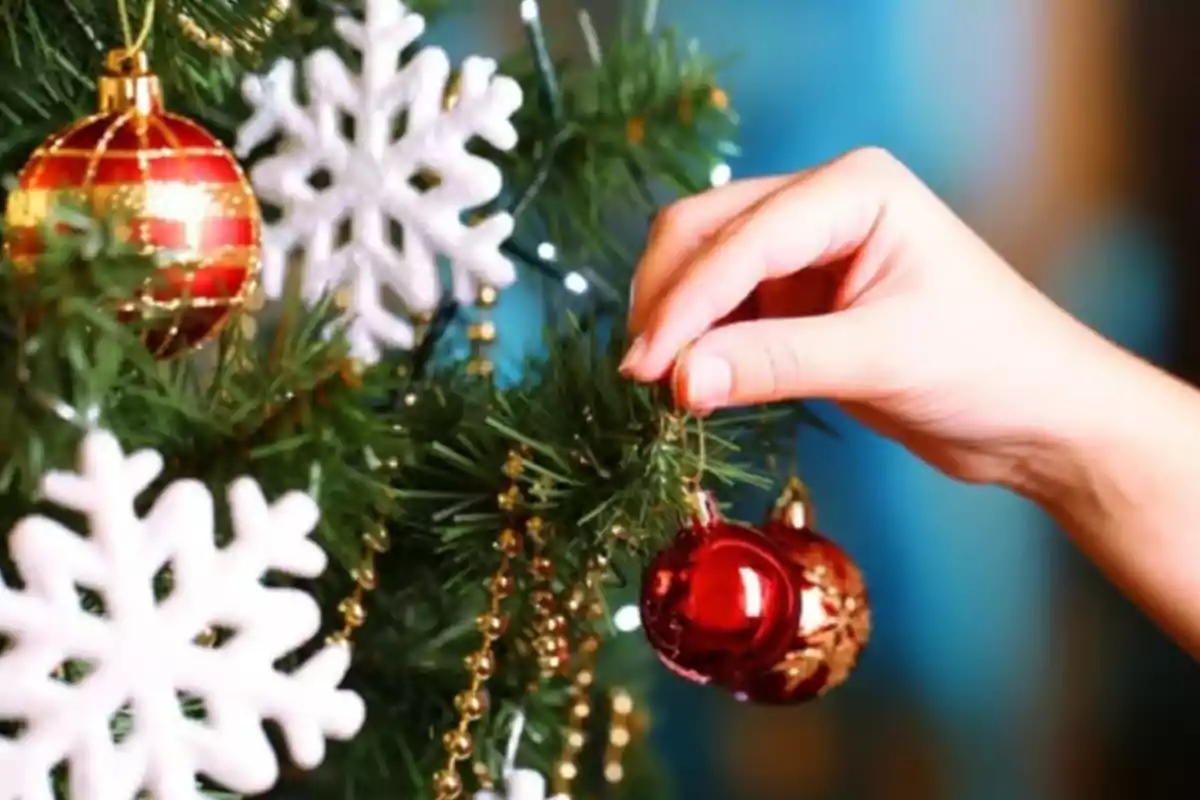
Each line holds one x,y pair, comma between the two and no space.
341,191
142,654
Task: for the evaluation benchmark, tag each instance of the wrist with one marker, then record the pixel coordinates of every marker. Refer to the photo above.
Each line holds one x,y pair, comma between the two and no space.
1077,416
1117,416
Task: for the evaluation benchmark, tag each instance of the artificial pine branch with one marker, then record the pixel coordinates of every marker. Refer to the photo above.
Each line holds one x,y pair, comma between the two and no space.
641,121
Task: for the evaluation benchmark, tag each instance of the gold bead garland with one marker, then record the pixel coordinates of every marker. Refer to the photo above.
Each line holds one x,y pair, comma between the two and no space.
352,608
248,39
483,776
620,734
375,542
482,332
470,703
586,599
549,626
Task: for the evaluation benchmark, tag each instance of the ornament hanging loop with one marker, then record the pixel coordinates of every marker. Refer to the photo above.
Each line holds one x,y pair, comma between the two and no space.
133,46
127,83
794,507
701,502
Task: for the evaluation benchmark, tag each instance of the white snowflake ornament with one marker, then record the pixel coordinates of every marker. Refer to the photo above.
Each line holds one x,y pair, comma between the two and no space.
141,652
341,192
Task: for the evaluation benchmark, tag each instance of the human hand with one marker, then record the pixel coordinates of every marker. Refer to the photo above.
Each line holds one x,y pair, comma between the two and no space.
866,290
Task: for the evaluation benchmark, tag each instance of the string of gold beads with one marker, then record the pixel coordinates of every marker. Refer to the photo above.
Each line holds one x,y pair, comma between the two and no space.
586,599
471,703
483,777
248,39
375,542
549,626
620,734
352,608
482,332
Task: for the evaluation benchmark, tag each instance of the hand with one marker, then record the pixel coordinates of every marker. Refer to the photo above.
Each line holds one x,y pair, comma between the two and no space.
870,292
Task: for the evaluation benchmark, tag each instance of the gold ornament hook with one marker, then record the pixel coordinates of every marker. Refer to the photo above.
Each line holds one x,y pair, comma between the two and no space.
794,507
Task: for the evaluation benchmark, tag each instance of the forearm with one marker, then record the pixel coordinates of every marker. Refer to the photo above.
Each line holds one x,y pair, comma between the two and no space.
1123,478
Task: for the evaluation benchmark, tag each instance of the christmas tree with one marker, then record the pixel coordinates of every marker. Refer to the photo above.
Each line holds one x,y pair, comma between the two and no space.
253,259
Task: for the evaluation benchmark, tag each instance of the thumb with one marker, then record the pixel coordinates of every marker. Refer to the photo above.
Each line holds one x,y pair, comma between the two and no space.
835,356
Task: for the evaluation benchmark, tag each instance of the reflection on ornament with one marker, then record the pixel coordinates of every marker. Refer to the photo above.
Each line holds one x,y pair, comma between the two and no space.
179,190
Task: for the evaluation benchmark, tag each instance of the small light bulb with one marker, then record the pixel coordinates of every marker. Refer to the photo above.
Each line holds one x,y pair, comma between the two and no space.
575,283
547,252
720,175
627,619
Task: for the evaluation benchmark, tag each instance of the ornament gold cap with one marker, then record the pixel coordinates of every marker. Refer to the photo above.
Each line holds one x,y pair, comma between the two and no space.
128,84
703,507
794,507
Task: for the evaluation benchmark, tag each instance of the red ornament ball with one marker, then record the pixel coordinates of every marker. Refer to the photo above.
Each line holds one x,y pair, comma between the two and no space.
719,604
180,189
835,613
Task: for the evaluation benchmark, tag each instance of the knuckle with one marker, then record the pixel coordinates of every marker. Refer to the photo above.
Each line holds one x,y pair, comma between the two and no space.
875,163
872,157
765,371
783,367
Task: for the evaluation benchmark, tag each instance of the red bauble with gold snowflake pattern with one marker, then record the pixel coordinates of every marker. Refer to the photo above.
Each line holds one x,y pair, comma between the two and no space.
182,192
834,623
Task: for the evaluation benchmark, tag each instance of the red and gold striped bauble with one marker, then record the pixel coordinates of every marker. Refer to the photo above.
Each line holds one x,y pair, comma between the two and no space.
182,193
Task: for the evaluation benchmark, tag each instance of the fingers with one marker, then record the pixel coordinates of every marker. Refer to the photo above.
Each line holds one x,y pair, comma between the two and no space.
681,228
836,356
825,216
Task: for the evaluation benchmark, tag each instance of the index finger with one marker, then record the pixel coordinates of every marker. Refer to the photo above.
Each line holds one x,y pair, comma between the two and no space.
682,229
826,216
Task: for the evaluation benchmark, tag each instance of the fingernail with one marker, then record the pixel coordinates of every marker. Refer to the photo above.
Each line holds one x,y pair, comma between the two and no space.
708,382
634,355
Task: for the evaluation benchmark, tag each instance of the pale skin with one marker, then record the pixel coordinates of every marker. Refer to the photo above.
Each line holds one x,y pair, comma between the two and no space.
930,338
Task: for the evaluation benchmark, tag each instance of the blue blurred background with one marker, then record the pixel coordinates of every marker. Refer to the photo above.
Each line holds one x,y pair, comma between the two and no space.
1002,667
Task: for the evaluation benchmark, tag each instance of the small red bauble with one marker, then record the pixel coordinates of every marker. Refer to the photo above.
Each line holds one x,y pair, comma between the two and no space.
180,190
835,615
719,604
